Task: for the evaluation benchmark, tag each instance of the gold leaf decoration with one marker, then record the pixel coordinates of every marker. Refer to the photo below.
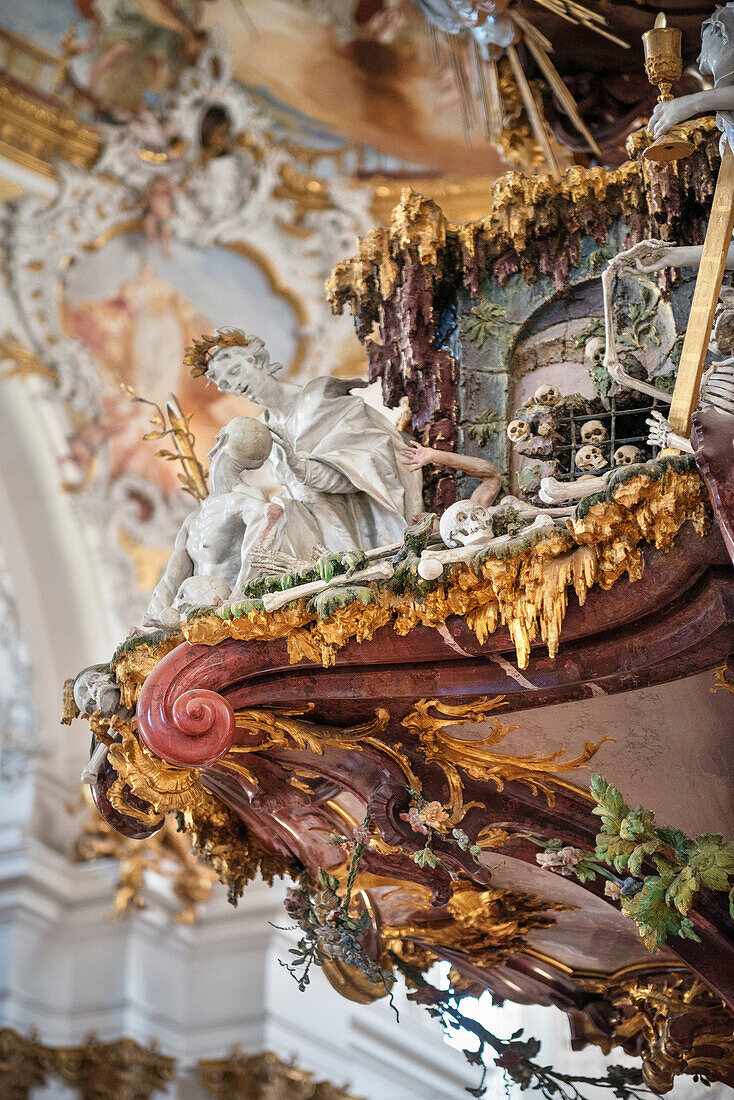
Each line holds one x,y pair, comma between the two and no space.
429,718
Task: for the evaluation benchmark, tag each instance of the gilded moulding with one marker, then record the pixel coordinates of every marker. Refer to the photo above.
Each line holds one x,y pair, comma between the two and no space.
527,592
263,1077
33,134
125,1070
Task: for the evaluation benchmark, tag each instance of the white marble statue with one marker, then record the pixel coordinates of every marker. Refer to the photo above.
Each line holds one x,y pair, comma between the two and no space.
336,459
210,554
717,61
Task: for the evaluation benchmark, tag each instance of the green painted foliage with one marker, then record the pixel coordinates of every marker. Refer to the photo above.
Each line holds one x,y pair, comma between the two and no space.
486,427
484,320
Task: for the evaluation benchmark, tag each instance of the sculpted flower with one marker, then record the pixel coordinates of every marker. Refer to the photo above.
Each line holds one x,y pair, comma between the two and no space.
548,860
361,834
612,890
413,817
569,858
434,815
563,860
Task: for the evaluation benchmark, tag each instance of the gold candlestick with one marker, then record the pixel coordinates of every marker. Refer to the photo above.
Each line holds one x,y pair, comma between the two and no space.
663,66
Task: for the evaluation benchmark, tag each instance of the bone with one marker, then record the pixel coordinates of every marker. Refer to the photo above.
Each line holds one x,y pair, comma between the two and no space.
273,600
90,773
553,491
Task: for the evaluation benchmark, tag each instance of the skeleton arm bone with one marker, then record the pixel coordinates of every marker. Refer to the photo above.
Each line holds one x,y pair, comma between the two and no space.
553,491
643,258
680,255
611,360
273,600
661,435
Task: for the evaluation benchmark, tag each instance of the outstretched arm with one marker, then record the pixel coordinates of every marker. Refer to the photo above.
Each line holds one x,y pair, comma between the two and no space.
414,455
180,566
684,107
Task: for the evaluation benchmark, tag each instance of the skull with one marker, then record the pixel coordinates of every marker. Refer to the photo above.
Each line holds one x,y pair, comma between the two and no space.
547,395
465,523
95,689
593,431
594,348
625,456
517,430
590,458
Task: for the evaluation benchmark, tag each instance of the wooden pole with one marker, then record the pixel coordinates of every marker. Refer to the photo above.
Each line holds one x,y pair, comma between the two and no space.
537,121
705,298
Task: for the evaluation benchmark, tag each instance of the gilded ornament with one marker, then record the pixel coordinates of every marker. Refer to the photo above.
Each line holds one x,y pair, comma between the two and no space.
24,1064
134,662
222,840
485,925
149,778
287,730
167,852
538,773
679,1024
120,1070
722,681
262,1077
527,591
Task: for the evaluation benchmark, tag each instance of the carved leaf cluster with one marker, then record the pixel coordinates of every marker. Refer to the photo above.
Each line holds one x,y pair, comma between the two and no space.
659,903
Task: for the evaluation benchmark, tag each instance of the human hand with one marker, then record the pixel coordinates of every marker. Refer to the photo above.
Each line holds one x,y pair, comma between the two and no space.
294,460
667,115
414,455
